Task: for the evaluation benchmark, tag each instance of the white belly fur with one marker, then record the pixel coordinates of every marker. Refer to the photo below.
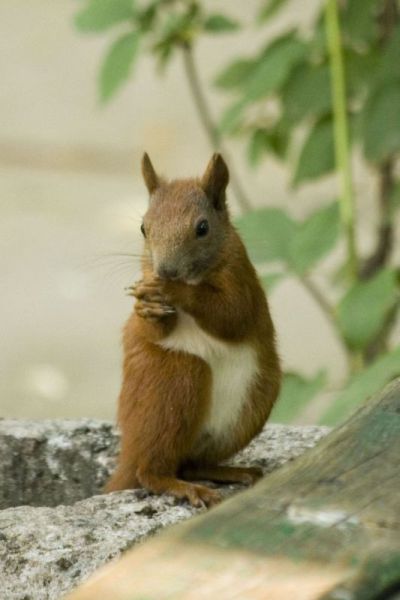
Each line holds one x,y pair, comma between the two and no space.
233,367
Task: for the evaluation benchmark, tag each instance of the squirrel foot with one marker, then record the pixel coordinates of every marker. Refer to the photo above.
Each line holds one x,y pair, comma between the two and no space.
199,496
223,474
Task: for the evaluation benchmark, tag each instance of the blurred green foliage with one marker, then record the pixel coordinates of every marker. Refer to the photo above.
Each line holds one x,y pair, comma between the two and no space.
273,95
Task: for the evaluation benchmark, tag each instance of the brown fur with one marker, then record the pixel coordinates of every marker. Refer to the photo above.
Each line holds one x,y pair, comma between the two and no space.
166,394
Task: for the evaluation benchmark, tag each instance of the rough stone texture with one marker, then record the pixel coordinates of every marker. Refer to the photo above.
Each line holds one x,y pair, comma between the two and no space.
46,463
44,552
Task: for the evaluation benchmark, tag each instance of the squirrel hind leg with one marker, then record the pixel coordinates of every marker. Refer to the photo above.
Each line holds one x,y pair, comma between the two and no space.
122,479
197,495
224,474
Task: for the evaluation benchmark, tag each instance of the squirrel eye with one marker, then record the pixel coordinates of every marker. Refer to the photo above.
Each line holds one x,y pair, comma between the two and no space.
143,230
202,228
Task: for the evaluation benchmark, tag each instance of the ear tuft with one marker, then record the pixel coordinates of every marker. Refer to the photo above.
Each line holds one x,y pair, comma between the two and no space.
149,175
215,181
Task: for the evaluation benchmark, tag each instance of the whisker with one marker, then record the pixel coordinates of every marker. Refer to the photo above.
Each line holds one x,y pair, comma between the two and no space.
116,258
121,276
124,254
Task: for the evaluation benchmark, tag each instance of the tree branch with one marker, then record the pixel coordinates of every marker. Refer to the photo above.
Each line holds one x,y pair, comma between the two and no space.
341,131
387,20
384,245
209,126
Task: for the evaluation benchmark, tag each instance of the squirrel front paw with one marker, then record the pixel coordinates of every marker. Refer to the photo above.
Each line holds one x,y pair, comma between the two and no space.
151,302
153,310
149,291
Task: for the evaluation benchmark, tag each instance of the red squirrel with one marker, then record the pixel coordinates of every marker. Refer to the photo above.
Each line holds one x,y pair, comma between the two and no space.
201,371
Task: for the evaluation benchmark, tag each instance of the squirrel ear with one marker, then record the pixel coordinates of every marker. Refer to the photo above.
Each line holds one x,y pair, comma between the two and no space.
149,175
215,180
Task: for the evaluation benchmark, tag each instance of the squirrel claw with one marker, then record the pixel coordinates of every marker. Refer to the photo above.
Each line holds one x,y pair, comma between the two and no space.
201,496
146,290
153,310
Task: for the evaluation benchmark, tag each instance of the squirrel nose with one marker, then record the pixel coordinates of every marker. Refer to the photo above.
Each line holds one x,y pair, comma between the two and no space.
166,272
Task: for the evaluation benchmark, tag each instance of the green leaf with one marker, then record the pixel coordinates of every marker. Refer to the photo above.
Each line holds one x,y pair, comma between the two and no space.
343,275
271,280
363,385
118,64
232,117
267,73
307,92
262,140
317,44
381,122
269,9
145,17
362,311
359,21
220,24
317,156
279,137
314,238
389,57
297,391
258,144
373,69
179,28
267,233
235,75
99,15
273,67
361,71
395,198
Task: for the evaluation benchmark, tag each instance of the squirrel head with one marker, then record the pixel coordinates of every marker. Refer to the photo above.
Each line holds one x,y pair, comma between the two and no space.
187,222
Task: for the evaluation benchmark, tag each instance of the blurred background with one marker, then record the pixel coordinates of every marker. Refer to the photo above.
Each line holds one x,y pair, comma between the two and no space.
88,85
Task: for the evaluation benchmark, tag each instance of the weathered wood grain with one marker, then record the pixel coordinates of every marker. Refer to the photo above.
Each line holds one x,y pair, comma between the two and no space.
325,526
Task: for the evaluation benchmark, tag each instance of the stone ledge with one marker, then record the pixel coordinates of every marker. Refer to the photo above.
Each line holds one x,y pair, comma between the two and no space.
46,550
51,462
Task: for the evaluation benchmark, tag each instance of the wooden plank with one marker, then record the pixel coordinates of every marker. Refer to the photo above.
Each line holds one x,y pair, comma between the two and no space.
325,526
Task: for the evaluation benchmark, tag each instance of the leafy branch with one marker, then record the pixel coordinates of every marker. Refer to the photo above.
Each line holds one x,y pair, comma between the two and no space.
309,100
341,131
209,126
169,26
